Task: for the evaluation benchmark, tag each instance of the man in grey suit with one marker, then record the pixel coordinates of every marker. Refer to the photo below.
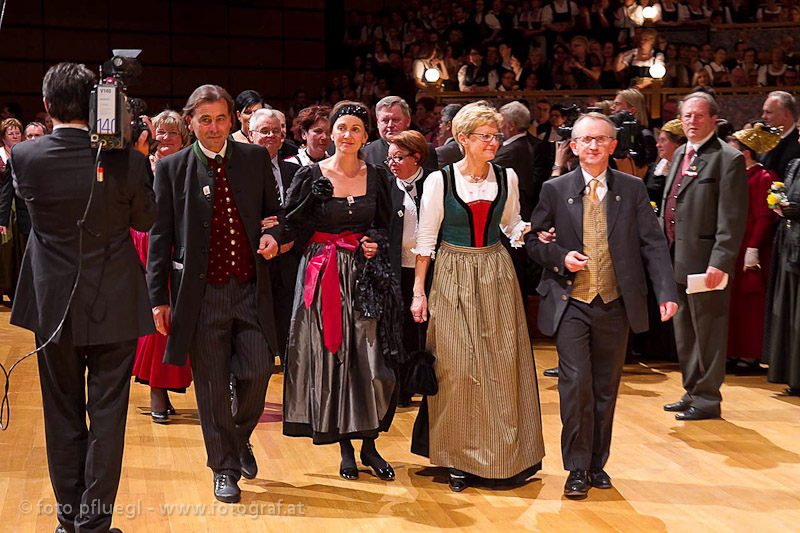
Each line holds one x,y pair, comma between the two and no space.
593,286
94,349
780,110
705,213
448,152
393,116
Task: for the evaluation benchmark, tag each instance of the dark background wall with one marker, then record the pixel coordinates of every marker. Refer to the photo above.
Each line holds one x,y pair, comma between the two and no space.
275,47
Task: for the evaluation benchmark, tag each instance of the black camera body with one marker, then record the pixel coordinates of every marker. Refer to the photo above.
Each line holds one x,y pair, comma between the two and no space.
116,120
624,122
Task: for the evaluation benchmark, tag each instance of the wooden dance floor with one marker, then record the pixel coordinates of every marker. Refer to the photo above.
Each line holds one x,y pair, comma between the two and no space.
737,474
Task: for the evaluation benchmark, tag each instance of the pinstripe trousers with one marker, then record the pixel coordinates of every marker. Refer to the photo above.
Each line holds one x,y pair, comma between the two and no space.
229,340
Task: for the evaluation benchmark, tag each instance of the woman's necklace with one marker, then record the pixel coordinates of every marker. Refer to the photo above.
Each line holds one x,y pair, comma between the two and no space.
475,179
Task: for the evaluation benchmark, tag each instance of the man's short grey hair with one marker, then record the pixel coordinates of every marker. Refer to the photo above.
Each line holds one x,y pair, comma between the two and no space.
713,107
391,101
265,113
594,115
35,125
449,112
786,101
518,114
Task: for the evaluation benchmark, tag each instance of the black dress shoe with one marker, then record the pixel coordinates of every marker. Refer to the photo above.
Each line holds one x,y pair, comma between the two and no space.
680,405
577,485
693,413
225,489
170,410
348,473
247,461
551,372
457,482
599,479
160,417
792,391
383,471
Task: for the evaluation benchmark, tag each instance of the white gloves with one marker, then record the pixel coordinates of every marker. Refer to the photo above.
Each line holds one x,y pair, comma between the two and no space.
751,257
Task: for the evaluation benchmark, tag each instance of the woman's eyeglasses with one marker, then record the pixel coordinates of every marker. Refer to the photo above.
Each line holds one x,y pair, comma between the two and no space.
488,137
396,159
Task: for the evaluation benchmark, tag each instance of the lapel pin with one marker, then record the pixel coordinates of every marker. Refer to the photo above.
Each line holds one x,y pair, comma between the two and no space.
570,201
400,213
207,190
618,198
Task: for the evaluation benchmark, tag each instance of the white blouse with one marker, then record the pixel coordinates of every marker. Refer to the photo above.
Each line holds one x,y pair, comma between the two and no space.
432,207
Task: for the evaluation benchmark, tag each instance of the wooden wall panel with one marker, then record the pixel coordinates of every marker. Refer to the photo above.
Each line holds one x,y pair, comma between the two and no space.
274,46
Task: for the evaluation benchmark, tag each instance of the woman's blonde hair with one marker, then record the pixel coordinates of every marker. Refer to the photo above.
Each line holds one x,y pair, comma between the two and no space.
635,99
474,115
172,118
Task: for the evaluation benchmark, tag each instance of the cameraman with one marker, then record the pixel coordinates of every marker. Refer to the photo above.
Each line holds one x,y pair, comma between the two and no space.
110,308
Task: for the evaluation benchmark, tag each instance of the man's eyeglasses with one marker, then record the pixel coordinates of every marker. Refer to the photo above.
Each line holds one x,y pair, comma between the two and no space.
396,159
601,140
488,137
266,132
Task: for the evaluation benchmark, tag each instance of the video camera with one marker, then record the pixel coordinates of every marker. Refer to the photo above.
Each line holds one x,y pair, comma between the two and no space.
117,121
624,122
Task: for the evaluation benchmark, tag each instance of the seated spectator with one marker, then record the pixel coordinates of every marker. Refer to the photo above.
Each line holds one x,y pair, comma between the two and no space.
677,74
701,78
670,13
560,68
531,83
694,12
559,16
549,130
629,16
771,12
537,65
720,75
508,82
636,63
738,12
585,69
768,75
609,77
476,76
789,78
739,77
750,61
541,115
430,56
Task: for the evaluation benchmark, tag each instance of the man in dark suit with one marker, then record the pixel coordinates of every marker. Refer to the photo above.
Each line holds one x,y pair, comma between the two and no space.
594,286
209,289
448,152
780,109
705,213
109,310
394,116
266,131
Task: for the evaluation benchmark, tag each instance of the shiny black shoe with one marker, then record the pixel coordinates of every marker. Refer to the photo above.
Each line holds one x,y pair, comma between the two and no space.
551,373
792,391
170,410
225,489
457,482
693,413
160,417
577,485
599,479
384,471
680,405
348,473
247,461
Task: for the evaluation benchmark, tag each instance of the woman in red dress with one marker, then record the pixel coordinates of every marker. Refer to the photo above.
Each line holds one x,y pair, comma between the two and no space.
748,293
149,368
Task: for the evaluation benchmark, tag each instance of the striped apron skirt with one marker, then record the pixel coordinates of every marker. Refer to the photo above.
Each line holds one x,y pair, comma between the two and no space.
486,418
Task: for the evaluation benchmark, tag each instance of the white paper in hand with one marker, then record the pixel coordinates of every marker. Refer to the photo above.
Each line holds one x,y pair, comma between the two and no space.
697,283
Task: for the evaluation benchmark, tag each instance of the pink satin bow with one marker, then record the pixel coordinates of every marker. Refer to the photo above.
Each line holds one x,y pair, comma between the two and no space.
324,264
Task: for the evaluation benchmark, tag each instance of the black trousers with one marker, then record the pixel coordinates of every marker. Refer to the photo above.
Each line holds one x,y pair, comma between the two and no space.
413,332
701,335
229,340
591,342
85,465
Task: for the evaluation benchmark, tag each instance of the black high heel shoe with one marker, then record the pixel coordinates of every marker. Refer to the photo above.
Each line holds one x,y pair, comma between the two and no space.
160,417
384,472
348,473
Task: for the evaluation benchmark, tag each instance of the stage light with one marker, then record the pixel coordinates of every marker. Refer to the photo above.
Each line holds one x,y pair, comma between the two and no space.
658,71
431,75
649,12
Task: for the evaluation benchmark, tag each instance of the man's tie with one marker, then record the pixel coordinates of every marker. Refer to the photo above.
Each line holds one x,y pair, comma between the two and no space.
687,159
276,171
593,190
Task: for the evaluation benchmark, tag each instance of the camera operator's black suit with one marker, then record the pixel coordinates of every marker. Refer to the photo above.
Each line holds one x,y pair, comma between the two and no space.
228,328
109,312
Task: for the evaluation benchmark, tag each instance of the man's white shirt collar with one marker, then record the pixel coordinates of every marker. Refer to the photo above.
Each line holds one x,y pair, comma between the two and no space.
513,138
787,132
213,155
703,141
71,126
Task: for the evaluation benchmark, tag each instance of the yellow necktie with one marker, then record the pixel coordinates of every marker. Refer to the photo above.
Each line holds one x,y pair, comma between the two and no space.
593,191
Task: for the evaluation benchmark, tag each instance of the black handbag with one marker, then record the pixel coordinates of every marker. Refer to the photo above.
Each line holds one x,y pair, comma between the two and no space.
421,375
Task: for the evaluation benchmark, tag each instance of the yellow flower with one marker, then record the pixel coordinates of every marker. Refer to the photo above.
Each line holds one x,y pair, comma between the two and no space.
772,199
778,184
653,205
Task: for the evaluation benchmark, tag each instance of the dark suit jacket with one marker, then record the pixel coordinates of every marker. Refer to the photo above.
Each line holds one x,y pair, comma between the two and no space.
711,210
635,239
398,216
6,197
177,260
529,158
778,158
288,262
448,153
376,152
54,176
